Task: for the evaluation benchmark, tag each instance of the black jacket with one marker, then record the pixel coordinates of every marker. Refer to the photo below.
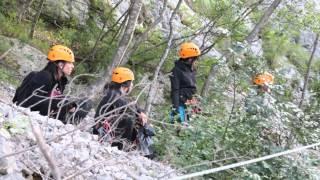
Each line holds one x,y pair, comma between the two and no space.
43,84
183,83
123,117
113,100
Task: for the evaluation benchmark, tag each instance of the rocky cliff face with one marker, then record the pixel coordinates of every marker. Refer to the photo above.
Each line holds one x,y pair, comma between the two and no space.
65,10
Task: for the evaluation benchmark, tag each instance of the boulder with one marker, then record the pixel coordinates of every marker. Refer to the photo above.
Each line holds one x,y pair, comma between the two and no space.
7,165
12,176
65,10
23,58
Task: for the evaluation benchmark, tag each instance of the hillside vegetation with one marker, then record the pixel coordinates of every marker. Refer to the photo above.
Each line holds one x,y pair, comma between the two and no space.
238,39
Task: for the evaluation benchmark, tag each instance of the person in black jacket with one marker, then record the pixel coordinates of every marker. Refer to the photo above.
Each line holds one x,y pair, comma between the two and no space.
42,91
183,81
115,116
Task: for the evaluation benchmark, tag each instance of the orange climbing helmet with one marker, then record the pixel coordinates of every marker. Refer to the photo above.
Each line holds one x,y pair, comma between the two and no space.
264,78
122,74
62,53
189,49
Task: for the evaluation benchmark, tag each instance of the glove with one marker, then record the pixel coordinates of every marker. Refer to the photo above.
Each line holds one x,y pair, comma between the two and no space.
148,130
196,110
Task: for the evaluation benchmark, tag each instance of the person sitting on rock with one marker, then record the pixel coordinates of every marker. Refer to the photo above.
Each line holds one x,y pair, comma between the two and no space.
42,91
116,118
183,81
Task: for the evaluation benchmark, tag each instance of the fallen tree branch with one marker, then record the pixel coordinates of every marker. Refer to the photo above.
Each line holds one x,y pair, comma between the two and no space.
45,151
5,53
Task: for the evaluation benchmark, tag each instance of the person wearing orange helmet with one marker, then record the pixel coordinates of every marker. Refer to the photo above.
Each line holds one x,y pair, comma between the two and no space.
115,116
183,80
263,81
42,91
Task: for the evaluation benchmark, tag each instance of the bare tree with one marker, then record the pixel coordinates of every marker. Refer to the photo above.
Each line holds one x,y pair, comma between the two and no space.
36,18
231,114
138,40
45,151
212,73
5,54
263,21
153,86
23,9
122,47
306,77
214,67
103,34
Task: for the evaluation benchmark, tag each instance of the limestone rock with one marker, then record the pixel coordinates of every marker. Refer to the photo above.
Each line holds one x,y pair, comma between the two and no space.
65,10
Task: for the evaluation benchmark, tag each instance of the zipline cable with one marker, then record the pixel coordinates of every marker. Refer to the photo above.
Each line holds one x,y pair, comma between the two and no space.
230,166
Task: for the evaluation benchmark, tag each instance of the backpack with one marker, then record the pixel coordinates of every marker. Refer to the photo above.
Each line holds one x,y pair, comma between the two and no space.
21,93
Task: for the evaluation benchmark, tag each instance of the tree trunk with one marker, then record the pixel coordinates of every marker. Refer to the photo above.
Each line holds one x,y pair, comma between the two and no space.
305,85
211,75
122,47
263,21
206,87
36,18
144,35
102,35
153,86
23,9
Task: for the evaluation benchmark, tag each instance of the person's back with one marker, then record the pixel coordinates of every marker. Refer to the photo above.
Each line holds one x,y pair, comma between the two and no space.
116,117
113,110
184,77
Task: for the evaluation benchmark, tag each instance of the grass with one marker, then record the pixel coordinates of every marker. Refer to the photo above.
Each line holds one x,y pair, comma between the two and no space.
8,76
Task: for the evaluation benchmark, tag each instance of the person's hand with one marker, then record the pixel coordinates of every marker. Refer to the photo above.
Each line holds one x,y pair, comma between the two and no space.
192,101
144,118
72,110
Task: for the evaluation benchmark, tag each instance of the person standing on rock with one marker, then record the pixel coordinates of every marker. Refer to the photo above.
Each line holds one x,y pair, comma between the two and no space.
42,91
116,117
183,81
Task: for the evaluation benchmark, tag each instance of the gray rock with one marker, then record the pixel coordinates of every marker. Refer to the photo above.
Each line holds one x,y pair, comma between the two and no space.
7,165
145,177
24,57
104,177
12,176
120,175
73,152
65,10
306,39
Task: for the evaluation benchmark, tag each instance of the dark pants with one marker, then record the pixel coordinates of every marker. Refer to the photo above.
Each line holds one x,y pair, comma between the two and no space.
82,108
125,131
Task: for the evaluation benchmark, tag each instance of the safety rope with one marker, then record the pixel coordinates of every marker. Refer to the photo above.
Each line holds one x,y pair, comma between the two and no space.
230,166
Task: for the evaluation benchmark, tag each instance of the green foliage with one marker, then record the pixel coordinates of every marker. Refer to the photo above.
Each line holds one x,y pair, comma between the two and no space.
18,125
247,137
189,18
8,8
278,46
7,75
263,125
10,28
223,11
4,46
